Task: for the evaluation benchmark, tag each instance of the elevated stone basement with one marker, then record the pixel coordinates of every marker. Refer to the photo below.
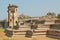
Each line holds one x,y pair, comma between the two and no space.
31,29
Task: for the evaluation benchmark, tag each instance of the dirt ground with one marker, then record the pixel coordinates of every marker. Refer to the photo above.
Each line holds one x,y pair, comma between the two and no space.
3,37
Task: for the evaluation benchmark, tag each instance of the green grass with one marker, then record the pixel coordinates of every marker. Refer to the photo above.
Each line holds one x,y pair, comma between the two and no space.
1,29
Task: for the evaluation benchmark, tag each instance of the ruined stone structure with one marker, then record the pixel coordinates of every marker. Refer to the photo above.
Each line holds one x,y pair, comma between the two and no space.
32,26
12,15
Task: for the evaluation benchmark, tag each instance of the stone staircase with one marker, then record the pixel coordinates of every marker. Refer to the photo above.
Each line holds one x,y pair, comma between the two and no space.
41,30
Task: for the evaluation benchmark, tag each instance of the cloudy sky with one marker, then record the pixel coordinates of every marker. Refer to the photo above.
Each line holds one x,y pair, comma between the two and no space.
30,7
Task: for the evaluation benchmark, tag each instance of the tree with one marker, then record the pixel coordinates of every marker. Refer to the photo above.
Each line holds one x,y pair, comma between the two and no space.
58,16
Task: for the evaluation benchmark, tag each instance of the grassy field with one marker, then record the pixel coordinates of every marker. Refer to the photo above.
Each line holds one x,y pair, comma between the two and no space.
1,30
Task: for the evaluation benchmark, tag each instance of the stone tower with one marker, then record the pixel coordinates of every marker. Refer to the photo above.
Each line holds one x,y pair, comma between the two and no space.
12,16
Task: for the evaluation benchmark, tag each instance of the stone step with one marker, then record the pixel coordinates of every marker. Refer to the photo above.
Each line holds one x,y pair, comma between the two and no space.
18,35
54,36
54,30
42,28
15,33
31,30
35,32
25,29
24,26
22,29
39,26
40,35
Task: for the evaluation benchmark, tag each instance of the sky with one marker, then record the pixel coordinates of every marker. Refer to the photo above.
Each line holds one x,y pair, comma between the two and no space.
30,7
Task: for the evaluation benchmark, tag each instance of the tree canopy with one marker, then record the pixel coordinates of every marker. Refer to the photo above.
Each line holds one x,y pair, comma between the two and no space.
58,16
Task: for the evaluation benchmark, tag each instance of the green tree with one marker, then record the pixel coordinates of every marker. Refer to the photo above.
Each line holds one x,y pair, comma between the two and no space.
58,16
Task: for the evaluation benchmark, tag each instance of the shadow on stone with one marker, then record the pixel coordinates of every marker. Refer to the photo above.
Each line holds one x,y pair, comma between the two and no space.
34,26
51,35
16,27
28,34
8,33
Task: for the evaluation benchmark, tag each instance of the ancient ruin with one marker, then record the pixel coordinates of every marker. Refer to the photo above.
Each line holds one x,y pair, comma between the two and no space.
27,26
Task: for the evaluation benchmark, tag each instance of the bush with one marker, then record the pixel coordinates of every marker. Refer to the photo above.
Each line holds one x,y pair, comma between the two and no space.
58,16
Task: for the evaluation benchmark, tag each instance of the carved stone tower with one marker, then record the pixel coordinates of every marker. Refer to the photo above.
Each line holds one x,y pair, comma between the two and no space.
12,16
